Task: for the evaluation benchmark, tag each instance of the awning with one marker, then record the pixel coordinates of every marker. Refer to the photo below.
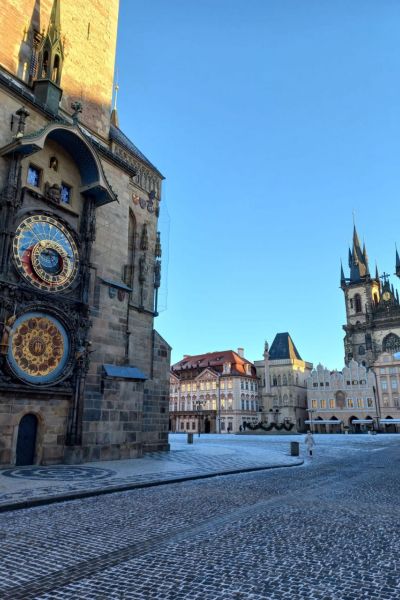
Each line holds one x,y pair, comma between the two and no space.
362,421
389,421
323,422
131,373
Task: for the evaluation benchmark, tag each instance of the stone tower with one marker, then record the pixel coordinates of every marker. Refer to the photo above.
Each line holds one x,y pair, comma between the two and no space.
83,373
372,309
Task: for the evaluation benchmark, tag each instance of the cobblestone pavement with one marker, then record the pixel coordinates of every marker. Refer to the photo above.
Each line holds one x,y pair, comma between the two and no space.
211,454
328,530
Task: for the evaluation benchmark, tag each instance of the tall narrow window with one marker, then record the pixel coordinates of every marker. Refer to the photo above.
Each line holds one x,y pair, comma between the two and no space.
128,275
357,300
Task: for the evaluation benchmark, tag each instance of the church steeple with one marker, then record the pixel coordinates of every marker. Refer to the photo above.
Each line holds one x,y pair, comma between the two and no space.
358,260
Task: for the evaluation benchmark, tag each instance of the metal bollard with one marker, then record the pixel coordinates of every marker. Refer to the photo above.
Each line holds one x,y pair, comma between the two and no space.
294,448
190,438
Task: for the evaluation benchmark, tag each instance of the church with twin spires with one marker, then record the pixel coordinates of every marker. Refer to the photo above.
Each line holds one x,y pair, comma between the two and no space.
372,309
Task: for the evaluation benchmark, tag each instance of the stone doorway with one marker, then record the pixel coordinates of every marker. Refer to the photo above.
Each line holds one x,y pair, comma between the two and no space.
26,441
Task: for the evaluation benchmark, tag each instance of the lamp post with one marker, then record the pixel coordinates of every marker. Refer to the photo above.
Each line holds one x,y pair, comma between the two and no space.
219,403
311,411
198,404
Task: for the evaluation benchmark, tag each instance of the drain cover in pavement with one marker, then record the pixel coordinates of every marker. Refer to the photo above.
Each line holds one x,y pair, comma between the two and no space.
65,473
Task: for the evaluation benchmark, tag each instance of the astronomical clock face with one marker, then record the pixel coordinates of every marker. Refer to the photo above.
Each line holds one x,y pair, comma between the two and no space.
45,253
38,348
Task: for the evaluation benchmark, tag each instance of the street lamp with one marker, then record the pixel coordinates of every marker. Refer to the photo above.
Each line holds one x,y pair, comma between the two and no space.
219,403
311,411
198,405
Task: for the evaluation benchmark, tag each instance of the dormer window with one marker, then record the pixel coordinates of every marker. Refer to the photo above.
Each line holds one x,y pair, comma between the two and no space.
33,177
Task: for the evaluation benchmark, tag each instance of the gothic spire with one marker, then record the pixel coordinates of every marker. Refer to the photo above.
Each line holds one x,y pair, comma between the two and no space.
342,277
397,263
114,112
54,30
359,260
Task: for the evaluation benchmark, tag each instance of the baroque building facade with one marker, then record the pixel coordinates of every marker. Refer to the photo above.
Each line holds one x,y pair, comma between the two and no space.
216,392
283,378
83,373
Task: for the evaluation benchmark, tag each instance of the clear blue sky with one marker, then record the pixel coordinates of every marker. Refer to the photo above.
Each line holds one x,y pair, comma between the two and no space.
271,120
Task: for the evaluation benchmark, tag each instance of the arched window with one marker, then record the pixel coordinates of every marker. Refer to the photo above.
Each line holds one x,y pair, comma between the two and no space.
45,64
284,380
391,343
361,350
358,305
56,69
285,400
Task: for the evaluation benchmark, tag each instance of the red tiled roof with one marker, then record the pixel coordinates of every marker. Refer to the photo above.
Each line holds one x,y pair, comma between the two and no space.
215,361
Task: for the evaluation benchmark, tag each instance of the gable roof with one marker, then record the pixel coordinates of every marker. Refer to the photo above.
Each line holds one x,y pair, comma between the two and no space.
214,361
120,138
283,348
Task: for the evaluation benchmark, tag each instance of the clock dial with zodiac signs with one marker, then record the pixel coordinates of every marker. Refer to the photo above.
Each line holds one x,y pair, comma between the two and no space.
38,348
45,253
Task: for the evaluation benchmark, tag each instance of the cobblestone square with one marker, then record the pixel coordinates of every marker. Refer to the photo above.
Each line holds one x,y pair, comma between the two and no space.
328,529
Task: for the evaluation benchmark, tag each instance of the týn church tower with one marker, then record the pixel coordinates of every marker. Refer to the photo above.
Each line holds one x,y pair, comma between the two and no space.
372,309
84,375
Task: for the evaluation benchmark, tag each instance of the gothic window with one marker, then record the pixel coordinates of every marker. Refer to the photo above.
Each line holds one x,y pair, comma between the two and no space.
357,300
361,350
285,400
368,341
284,380
391,343
351,303
274,381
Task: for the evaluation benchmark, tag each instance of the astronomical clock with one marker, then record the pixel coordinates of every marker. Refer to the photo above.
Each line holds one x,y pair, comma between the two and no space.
46,253
37,342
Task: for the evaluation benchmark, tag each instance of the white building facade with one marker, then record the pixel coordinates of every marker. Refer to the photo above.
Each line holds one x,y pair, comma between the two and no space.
341,401
213,392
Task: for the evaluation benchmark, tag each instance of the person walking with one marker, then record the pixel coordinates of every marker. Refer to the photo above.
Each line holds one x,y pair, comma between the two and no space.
310,443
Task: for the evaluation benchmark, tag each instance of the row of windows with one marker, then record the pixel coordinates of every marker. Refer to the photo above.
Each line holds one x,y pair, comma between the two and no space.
203,385
393,384
395,400
208,405
248,385
350,403
212,405
277,380
348,382
35,178
389,370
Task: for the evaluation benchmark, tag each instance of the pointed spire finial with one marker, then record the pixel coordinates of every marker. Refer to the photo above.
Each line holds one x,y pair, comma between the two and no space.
114,112
397,262
342,277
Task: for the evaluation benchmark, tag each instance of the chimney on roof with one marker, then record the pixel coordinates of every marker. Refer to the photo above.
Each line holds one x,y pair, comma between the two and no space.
240,351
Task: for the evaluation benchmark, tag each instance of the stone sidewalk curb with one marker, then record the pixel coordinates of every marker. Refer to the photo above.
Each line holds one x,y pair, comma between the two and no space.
132,486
